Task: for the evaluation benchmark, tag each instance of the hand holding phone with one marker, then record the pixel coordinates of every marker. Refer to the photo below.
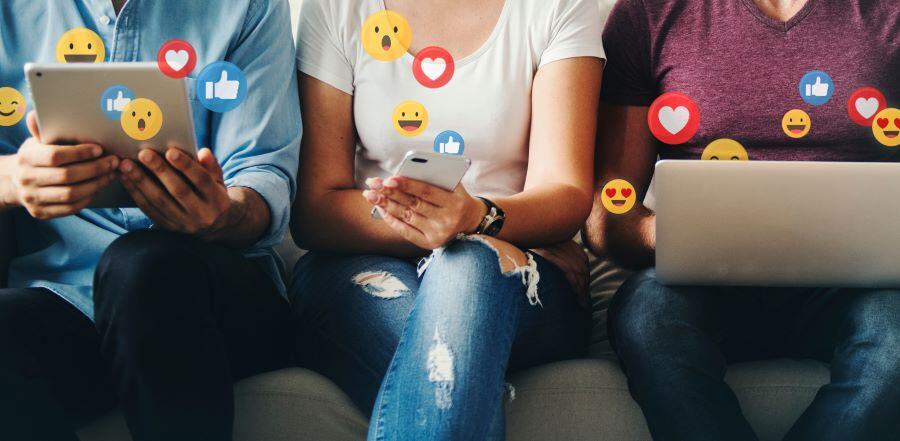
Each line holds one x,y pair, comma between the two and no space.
442,171
424,202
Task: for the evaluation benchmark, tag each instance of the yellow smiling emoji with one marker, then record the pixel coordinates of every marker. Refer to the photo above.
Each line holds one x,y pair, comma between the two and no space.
386,35
410,118
725,150
141,119
618,196
886,127
796,123
80,45
12,106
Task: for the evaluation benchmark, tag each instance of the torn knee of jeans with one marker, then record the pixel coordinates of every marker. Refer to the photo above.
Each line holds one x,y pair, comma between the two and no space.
381,284
510,392
511,257
425,261
440,372
514,261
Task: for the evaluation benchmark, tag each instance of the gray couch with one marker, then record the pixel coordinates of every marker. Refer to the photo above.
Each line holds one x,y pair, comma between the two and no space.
574,400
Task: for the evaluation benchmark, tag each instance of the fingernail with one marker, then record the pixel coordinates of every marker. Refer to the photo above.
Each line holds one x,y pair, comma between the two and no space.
96,151
381,211
374,183
391,183
146,157
370,196
175,156
127,166
114,163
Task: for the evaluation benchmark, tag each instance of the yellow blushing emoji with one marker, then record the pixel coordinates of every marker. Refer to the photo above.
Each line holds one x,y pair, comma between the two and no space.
796,123
886,127
618,196
386,35
141,119
12,106
725,149
80,45
410,118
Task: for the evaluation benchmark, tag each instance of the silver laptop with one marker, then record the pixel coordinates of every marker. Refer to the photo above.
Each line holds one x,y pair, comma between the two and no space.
803,224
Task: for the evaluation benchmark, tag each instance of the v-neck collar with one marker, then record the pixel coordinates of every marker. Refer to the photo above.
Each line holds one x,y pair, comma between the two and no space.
779,25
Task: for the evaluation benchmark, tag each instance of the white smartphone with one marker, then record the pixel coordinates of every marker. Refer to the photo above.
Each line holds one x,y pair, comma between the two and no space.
441,170
69,101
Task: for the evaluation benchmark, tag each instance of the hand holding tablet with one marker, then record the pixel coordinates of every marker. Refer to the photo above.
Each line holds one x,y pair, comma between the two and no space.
157,115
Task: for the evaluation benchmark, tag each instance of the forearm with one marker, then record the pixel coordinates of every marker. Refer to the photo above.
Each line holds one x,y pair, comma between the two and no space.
340,221
544,215
8,196
629,239
246,222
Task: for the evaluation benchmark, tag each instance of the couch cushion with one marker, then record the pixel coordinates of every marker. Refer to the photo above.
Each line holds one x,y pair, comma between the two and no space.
572,400
589,399
286,405
606,277
289,254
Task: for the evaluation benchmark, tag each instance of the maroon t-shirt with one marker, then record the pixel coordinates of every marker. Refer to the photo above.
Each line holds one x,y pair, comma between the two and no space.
743,69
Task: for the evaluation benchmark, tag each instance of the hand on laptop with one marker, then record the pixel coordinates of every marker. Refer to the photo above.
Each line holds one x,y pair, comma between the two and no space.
183,194
53,181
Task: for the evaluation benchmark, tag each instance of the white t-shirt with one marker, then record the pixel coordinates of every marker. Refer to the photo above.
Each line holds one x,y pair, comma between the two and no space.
487,101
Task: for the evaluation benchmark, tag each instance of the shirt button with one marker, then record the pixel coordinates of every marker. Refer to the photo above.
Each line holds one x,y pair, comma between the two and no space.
104,20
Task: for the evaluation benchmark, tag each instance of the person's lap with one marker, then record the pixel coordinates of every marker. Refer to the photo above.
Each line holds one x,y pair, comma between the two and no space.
180,316
675,344
181,319
355,308
192,280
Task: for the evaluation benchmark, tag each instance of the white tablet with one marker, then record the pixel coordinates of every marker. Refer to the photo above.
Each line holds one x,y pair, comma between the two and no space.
74,105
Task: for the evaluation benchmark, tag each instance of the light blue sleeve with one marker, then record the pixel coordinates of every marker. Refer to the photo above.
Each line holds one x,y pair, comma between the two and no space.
258,143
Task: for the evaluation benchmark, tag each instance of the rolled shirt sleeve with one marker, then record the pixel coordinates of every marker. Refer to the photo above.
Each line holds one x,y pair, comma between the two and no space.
258,143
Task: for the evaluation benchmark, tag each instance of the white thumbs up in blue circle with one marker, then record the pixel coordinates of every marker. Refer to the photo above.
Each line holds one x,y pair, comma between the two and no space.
450,143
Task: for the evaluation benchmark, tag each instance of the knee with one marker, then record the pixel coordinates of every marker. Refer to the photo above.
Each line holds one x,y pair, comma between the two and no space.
140,273
477,253
876,332
145,251
474,262
641,313
477,276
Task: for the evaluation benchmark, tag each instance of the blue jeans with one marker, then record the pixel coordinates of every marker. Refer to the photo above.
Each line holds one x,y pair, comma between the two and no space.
436,349
675,343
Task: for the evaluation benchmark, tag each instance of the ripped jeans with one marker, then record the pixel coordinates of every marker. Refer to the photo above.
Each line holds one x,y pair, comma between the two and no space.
434,349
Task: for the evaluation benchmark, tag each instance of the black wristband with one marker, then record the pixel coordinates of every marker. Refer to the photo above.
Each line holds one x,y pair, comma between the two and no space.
493,220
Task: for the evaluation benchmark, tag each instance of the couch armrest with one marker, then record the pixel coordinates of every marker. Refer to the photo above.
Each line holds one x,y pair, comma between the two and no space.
7,245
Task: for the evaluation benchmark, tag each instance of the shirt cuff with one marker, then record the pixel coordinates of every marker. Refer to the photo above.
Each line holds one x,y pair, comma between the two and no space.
275,191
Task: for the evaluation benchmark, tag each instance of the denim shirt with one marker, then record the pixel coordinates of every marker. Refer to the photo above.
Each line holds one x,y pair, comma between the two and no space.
257,143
